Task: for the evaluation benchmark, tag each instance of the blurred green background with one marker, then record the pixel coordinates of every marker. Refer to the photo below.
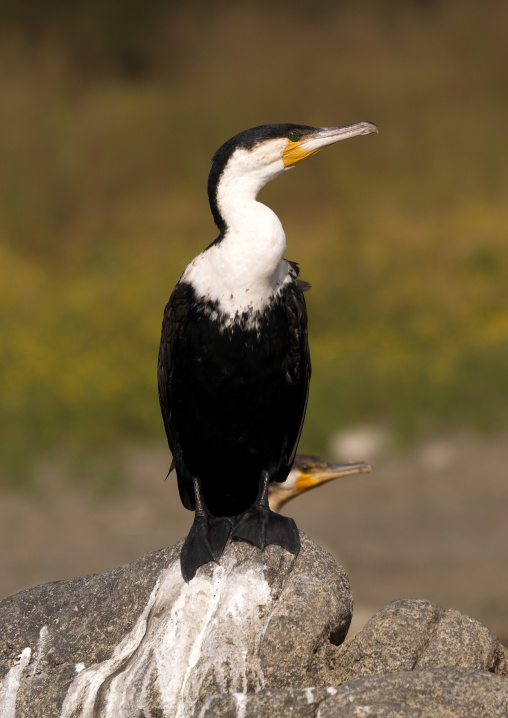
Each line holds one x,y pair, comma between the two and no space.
109,115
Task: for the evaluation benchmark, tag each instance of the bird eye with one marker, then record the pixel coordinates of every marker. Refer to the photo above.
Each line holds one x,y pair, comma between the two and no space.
293,136
305,468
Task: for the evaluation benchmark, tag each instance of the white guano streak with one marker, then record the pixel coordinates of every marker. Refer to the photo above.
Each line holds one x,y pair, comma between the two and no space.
10,685
185,632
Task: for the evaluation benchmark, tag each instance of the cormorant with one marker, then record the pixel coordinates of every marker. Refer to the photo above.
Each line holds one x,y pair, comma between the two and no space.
234,363
309,472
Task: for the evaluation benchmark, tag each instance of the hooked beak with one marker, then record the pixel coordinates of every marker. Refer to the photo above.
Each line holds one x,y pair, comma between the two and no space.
332,471
311,143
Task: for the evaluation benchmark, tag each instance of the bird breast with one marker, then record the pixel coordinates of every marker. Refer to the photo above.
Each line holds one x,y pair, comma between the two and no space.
245,270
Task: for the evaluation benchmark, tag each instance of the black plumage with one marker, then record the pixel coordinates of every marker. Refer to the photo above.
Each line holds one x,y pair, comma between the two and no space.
233,400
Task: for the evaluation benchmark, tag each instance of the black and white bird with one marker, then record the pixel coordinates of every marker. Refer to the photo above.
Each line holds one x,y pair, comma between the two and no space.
234,364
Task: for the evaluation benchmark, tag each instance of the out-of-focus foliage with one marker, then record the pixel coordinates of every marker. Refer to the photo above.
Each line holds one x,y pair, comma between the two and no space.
109,115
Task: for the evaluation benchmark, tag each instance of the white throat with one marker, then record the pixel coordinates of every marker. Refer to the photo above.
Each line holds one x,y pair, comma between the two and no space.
246,268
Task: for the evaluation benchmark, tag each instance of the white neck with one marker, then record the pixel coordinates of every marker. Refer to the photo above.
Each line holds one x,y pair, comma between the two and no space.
245,269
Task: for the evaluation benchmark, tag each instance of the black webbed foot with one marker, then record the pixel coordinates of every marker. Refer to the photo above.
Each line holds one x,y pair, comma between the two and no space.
205,542
206,539
262,527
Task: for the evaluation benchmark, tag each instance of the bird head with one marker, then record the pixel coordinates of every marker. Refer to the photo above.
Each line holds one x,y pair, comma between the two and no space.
249,160
308,472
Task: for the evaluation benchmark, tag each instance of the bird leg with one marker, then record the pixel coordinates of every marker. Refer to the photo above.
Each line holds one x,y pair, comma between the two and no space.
262,527
206,539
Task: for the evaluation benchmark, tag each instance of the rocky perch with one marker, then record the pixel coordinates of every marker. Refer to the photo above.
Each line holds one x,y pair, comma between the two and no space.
260,635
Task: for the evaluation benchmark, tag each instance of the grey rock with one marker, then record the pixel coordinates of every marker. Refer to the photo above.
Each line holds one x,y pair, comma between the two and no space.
260,635
297,703
64,623
314,610
410,634
436,693
138,641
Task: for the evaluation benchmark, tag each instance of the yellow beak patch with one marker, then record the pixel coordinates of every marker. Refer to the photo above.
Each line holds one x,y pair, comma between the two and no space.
305,482
295,152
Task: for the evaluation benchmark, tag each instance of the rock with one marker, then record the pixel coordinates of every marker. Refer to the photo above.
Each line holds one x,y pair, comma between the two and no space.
60,625
260,635
138,641
410,634
436,693
297,703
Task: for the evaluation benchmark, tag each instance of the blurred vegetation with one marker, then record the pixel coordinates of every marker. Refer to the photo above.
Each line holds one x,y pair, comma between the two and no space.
109,115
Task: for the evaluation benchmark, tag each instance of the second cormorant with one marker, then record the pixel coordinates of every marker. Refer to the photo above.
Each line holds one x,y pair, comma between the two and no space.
308,473
234,363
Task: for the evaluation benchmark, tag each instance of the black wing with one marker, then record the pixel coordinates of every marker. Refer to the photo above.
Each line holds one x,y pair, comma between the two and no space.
296,312
173,325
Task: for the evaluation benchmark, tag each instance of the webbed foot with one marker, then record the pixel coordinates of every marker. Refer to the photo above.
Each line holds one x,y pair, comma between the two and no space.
205,542
262,527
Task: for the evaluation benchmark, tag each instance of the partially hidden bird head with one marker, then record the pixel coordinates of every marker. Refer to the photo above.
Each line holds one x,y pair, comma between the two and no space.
308,472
